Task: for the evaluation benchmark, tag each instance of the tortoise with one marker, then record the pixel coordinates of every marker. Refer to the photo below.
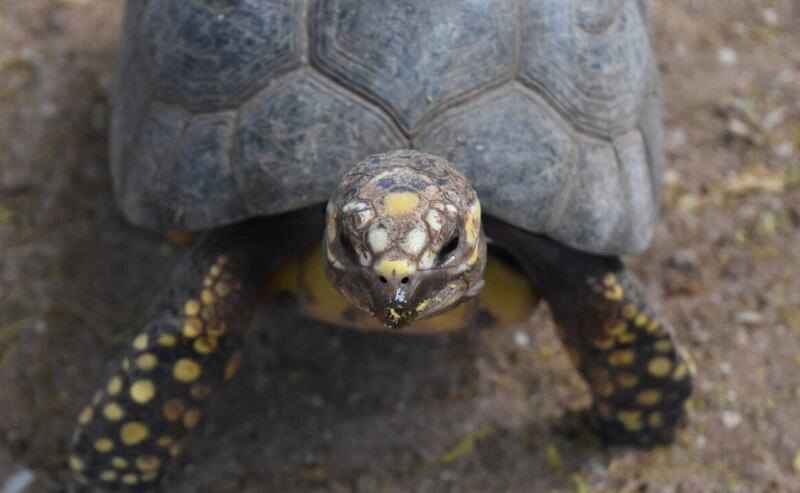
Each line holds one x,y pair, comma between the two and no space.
417,158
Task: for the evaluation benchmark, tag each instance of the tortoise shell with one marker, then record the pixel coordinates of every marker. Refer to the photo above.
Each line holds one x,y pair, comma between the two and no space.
226,109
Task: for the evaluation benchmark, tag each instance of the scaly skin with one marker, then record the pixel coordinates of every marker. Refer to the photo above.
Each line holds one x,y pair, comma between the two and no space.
188,347
623,349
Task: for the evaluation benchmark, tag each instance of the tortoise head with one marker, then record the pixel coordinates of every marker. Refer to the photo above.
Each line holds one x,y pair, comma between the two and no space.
403,237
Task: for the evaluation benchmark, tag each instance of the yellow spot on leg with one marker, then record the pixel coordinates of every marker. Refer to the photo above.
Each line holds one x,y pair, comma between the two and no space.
175,450
232,365
140,342
615,328
400,203
130,479
133,433
205,345
86,415
119,462
142,391
659,366
173,409
641,320
655,419
192,328
147,463
114,385
76,464
166,340
621,358
164,441
604,343
113,412
627,380
207,296
631,420
680,371
200,391
191,308
186,370
603,388
103,445
108,475
664,346
629,311
648,398
191,418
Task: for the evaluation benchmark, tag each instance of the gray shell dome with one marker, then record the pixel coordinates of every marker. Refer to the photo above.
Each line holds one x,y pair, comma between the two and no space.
230,108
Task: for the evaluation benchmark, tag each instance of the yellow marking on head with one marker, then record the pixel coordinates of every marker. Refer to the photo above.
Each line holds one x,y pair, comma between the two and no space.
604,343
103,445
397,267
473,222
205,345
629,311
648,398
400,203
133,433
207,296
146,463
680,371
191,308
130,479
200,391
330,224
172,409
192,328
423,305
146,362
474,257
641,320
86,415
232,365
119,462
655,420
114,385
113,412
166,340
627,380
659,366
142,391
663,346
186,370
76,464
108,475
140,342
164,441
191,418
631,420
394,315
615,328
621,358
175,450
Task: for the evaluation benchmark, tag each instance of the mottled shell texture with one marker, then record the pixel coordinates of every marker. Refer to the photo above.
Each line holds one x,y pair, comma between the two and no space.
225,109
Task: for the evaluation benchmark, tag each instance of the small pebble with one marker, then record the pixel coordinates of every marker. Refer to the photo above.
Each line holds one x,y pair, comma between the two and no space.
18,482
727,56
725,368
521,339
749,317
738,127
770,16
731,419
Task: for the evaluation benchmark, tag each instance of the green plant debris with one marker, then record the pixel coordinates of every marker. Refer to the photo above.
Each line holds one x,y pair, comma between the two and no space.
6,215
467,444
796,462
553,457
579,483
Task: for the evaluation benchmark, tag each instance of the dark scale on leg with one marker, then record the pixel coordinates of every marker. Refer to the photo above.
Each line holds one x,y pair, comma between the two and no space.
156,392
624,350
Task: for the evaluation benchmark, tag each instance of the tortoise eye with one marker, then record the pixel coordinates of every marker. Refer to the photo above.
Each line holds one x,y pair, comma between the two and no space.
348,248
447,250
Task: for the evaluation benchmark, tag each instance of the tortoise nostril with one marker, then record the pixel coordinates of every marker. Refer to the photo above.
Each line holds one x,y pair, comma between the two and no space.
404,280
383,279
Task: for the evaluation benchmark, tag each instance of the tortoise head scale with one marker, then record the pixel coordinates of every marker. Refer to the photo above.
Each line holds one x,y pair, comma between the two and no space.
403,237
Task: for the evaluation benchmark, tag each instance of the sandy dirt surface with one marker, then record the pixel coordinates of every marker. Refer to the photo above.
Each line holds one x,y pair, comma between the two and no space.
324,410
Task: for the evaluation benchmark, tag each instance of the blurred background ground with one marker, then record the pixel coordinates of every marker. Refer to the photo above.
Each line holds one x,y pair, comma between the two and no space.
323,410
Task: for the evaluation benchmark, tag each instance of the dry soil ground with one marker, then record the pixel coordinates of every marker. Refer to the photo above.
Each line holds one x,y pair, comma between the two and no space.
324,410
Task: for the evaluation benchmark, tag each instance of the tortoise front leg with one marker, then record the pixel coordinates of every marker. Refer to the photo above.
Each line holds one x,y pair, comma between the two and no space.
623,349
188,346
